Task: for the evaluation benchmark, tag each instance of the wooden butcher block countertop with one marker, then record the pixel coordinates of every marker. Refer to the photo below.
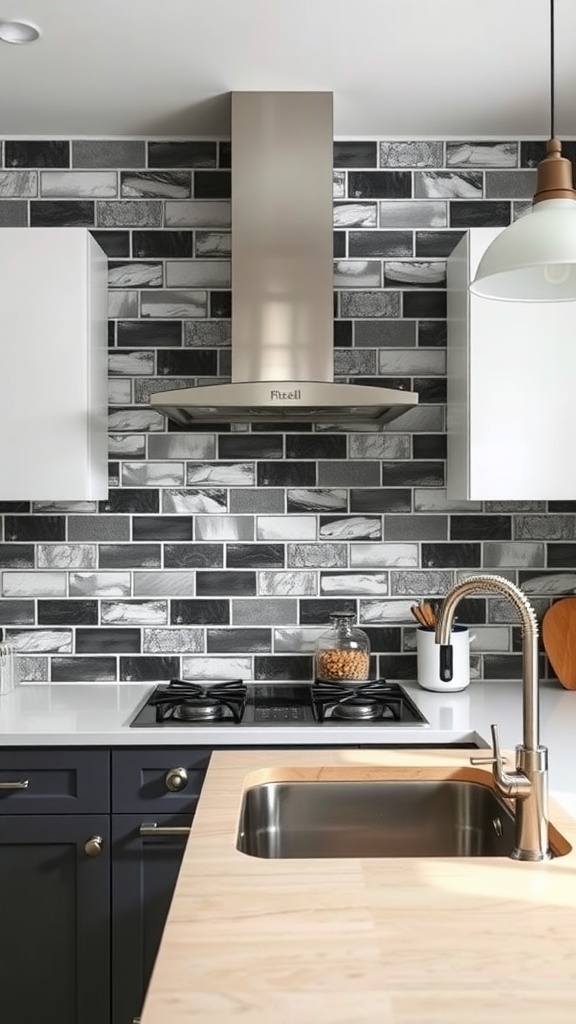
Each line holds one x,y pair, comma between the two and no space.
481,940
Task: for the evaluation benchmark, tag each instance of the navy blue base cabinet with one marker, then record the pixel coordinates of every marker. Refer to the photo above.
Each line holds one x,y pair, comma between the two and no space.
91,842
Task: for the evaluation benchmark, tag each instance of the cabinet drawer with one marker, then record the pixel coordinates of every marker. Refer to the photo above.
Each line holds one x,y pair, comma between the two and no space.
162,780
54,781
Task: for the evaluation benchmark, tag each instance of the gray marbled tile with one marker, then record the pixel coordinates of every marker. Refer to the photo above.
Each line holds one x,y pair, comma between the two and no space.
373,556
286,527
510,184
119,391
237,641
408,527
33,670
122,304
491,638
108,153
415,274
435,499
182,446
225,667
135,275
209,334
552,584
419,362
201,213
107,528
127,445
421,419
130,556
395,611
18,184
357,274
64,506
131,364
339,184
322,499
152,474
143,388
354,362
135,420
411,154
369,304
447,185
482,154
207,501
64,669
397,213
213,243
546,527
100,584
323,555
174,303
354,583
515,555
435,581
184,640
379,446
66,556
198,274
124,213
228,527
227,474
77,184
350,528
33,584
261,499
138,612
264,611
13,213
389,333
287,584
348,474
515,506
41,641
358,215
155,184
298,640
164,583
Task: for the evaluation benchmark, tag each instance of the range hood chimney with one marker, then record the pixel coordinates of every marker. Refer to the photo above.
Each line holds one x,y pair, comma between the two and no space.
282,278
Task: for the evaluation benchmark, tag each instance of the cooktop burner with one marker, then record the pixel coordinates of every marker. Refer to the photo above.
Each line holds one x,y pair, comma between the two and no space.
181,703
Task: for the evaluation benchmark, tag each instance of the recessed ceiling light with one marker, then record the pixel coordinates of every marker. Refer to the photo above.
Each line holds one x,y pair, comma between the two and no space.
18,32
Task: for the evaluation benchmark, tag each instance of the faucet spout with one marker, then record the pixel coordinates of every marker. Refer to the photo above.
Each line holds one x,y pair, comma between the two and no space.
528,784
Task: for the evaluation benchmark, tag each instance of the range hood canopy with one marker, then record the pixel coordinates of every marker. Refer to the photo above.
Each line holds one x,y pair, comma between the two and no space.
282,278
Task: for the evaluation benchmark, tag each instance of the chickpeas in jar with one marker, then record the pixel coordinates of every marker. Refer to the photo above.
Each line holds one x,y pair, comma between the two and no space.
343,653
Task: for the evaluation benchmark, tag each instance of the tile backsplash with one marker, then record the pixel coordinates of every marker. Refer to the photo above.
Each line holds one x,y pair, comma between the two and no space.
221,551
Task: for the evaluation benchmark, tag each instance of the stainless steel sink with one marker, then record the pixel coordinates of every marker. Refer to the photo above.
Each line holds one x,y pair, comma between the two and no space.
416,818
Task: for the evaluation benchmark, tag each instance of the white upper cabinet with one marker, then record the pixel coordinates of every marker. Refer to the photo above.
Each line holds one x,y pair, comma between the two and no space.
53,377
511,390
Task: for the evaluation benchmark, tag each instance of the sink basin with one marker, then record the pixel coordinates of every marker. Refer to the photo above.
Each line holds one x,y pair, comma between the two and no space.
415,818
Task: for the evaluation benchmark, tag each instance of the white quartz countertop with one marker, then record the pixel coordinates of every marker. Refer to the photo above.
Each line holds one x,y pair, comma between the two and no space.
100,715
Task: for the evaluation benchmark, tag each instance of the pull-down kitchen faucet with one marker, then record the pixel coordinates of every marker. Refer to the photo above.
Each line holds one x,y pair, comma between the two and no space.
528,784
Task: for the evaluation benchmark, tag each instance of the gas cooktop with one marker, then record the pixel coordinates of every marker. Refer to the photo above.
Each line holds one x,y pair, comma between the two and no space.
182,703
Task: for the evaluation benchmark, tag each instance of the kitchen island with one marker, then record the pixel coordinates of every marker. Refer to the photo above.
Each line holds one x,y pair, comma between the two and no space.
362,941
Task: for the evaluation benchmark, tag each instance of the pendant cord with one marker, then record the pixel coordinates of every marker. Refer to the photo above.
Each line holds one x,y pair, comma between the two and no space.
552,129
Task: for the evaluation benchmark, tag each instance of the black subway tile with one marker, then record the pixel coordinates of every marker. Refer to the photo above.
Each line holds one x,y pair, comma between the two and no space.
162,244
317,612
131,499
255,556
67,613
437,243
114,243
193,556
451,556
225,584
187,363
380,499
286,666
108,641
483,527
286,474
83,670
379,184
192,153
413,474
479,214
424,304
190,612
59,213
36,153
355,154
155,334
34,528
16,556
149,668
212,184
429,446
315,446
250,446
162,528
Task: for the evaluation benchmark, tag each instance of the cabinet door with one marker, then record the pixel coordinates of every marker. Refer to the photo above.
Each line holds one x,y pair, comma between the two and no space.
54,914
144,873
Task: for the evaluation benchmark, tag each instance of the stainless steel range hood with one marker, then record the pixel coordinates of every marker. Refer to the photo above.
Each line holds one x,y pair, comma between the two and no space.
282,277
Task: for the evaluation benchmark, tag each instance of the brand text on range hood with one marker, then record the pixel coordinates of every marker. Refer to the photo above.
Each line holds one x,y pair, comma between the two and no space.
282,277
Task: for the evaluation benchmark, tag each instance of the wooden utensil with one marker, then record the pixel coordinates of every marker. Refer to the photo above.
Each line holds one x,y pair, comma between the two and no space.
559,638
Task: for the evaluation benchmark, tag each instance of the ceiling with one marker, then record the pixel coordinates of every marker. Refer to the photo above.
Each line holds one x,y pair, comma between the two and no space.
397,68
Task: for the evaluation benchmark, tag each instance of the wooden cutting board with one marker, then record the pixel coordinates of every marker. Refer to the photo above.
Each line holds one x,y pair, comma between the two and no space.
559,638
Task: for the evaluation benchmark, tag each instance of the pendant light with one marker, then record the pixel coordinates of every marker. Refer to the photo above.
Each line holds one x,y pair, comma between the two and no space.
534,260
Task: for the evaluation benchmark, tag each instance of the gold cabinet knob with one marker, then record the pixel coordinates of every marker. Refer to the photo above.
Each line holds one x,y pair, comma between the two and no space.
93,846
176,779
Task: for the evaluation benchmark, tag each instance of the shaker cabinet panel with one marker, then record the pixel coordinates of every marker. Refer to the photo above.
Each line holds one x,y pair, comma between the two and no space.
511,372
53,385
54,781
54,913
158,779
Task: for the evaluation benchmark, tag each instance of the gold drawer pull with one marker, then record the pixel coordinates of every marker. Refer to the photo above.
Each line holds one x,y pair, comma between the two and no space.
151,828
22,784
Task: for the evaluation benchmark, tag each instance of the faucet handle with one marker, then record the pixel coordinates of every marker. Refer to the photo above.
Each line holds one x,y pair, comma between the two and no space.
497,758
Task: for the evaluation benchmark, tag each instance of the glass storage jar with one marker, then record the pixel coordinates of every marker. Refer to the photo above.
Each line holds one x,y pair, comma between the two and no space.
343,652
